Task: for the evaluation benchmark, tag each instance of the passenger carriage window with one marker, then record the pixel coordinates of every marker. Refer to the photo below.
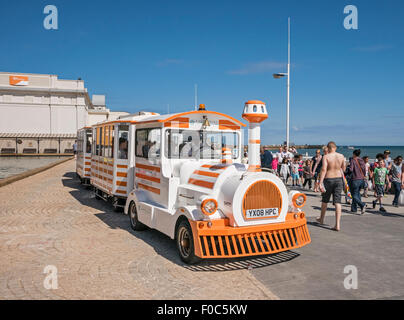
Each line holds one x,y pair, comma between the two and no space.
95,140
123,131
112,141
89,140
107,152
148,142
102,141
98,146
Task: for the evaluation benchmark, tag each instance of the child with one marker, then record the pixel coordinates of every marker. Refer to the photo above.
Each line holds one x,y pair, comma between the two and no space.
301,164
295,171
307,175
284,172
379,157
275,162
379,179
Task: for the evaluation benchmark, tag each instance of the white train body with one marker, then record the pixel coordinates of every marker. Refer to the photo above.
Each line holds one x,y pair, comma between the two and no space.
185,178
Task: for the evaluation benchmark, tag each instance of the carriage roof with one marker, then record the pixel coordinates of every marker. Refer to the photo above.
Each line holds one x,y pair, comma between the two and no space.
151,117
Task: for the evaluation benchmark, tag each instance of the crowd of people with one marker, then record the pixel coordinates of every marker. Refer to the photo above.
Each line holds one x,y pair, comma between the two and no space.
331,174
290,166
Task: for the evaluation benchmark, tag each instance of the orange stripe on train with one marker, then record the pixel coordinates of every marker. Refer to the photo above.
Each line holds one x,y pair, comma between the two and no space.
143,176
149,188
147,167
201,183
207,173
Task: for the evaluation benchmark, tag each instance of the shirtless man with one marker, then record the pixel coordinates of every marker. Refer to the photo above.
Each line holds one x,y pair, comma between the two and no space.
331,180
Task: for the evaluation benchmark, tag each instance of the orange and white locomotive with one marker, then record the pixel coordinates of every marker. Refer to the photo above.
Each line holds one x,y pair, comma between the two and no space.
184,177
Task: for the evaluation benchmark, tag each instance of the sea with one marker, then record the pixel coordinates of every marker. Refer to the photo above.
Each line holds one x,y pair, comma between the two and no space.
370,151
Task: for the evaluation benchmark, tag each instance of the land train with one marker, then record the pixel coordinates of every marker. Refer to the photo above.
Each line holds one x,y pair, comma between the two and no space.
182,175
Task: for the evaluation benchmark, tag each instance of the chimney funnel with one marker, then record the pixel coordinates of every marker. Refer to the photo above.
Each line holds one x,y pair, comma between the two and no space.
254,112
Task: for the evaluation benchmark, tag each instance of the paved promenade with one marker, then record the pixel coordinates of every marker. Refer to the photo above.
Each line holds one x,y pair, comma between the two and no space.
50,219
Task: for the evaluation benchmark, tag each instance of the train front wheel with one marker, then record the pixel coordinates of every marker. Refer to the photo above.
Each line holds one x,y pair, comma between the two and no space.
185,243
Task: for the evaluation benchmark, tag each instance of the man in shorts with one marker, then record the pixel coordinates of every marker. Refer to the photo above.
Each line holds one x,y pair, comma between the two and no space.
331,182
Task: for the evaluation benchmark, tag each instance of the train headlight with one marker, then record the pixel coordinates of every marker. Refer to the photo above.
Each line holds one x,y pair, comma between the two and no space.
209,206
299,200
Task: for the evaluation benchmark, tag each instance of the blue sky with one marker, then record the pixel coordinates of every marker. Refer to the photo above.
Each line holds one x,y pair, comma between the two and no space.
346,85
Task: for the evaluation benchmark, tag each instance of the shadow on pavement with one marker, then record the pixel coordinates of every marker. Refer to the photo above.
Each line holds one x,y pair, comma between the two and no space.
331,208
316,224
243,263
162,244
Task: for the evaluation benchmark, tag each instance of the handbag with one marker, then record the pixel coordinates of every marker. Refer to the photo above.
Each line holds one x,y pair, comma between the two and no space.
401,198
370,185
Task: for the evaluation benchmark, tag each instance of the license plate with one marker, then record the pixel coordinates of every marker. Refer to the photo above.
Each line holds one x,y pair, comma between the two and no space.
262,213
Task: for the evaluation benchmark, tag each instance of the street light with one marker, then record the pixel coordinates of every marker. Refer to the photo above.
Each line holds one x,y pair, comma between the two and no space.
287,74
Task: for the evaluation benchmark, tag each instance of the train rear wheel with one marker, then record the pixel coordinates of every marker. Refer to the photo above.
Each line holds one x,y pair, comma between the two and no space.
134,221
185,243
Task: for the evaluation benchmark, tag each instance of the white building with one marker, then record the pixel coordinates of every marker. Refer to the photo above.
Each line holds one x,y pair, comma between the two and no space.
40,113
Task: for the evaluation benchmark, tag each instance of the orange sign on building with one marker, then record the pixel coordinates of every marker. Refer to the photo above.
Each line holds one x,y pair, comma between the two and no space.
18,80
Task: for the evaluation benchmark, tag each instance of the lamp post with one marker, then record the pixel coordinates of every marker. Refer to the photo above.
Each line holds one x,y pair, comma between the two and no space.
287,74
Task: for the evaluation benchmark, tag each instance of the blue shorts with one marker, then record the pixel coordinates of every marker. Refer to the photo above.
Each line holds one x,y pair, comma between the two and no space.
295,176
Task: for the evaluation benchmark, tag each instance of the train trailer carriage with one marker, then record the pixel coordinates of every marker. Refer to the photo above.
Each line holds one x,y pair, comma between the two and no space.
111,162
83,160
189,183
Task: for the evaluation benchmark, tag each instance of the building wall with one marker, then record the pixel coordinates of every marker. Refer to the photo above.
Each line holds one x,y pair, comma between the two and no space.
42,112
45,104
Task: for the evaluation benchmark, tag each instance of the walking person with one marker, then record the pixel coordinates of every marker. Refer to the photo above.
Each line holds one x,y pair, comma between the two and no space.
373,166
301,164
367,166
284,171
307,174
387,159
266,158
275,163
314,165
331,183
397,178
317,169
357,169
388,162
294,168
380,177
75,148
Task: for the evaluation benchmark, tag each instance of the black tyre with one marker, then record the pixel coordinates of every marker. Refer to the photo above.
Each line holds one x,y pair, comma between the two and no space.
134,222
185,243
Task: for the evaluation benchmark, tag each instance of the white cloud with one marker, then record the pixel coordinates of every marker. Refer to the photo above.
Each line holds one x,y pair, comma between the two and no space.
260,67
374,48
167,62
